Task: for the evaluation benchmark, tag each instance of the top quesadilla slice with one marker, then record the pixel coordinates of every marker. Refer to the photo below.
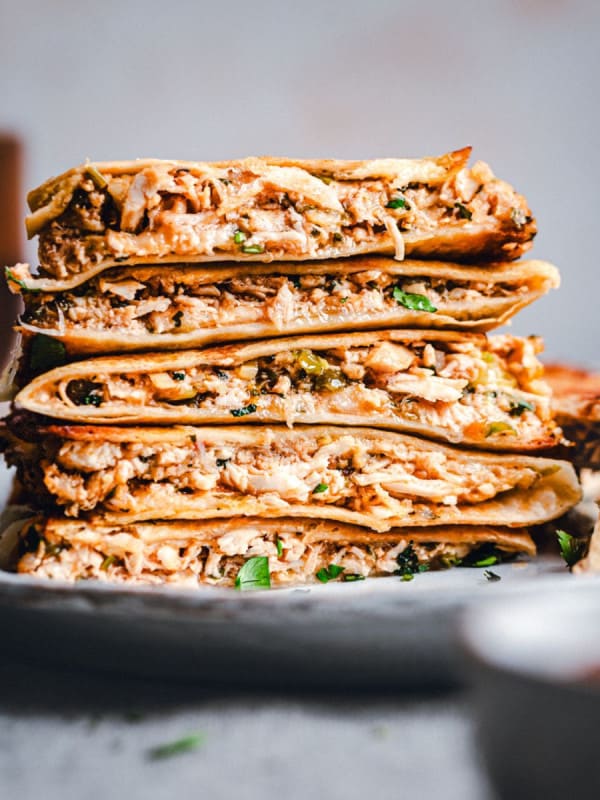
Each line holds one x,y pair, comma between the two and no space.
266,209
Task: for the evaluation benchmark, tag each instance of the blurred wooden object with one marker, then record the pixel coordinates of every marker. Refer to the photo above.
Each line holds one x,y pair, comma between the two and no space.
11,232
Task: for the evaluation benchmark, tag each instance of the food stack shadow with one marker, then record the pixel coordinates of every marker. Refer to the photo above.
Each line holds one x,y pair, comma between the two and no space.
271,372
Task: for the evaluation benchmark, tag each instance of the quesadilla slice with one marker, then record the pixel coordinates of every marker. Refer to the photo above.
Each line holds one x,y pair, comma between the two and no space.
266,209
576,404
286,551
362,476
141,308
463,388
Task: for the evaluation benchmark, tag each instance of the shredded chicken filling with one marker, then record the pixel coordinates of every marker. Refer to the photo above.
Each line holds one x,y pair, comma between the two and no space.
384,478
293,557
159,305
474,392
279,211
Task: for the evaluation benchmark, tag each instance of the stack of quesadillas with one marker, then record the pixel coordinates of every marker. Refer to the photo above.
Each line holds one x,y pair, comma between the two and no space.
342,429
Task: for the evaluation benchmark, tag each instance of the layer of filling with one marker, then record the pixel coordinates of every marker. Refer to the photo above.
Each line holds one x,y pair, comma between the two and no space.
139,304
388,478
249,558
477,391
281,212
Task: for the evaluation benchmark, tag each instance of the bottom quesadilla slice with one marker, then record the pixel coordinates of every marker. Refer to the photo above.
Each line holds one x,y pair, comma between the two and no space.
251,552
378,479
176,307
462,388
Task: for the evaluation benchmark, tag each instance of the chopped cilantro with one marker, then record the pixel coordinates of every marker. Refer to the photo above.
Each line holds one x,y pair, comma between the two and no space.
222,462
485,555
343,299
46,353
183,745
279,545
295,280
320,488
572,549
337,237
178,376
85,393
463,211
408,563
518,406
414,302
397,202
93,399
12,278
254,574
486,562
239,237
491,576
449,561
330,573
244,411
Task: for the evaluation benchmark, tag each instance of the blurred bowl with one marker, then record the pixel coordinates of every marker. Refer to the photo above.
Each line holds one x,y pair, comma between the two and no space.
535,664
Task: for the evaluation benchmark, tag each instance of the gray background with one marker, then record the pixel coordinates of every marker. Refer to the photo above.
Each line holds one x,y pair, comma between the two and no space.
517,79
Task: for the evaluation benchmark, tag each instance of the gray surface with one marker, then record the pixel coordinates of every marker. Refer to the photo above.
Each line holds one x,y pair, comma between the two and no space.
72,738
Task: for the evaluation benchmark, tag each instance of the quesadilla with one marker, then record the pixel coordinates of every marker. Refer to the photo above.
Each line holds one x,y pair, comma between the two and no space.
576,404
362,476
464,388
220,552
142,308
266,209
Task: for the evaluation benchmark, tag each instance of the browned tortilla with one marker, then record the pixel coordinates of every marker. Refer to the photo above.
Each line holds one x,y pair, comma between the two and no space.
266,209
